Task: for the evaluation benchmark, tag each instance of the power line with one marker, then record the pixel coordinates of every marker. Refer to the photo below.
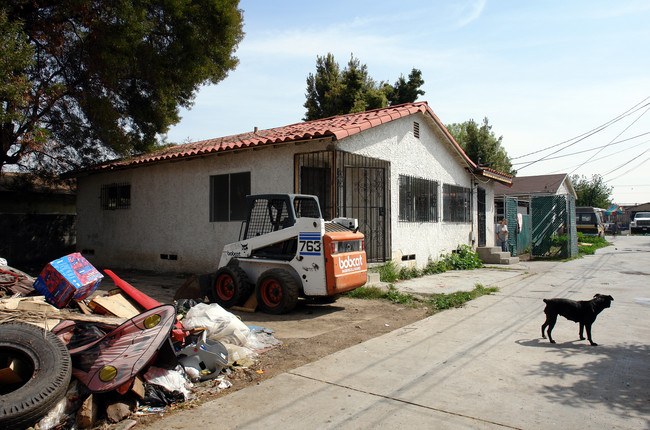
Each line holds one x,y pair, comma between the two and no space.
625,164
596,148
590,132
604,156
628,171
624,130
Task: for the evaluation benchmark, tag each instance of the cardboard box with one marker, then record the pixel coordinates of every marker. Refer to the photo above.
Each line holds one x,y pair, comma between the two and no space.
69,278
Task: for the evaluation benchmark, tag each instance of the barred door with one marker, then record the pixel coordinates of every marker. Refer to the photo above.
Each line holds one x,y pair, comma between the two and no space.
360,191
482,234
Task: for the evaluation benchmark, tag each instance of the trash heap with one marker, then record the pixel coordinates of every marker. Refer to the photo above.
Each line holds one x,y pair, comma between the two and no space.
69,359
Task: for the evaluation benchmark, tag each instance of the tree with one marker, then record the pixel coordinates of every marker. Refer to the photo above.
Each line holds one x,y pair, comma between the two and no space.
331,91
481,145
84,80
592,192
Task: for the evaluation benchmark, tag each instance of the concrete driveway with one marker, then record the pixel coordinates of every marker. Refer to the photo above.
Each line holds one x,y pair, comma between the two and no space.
481,366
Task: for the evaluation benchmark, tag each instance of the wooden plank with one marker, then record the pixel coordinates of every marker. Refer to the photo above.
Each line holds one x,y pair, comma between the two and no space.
249,306
116,305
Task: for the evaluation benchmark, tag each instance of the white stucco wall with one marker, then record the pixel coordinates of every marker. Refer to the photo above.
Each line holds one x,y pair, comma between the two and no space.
428,157
170,209
170,203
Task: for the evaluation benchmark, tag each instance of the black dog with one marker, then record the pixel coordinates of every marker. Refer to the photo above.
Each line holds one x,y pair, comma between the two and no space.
583,312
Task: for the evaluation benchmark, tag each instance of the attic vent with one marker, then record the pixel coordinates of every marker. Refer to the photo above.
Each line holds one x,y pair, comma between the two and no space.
416,129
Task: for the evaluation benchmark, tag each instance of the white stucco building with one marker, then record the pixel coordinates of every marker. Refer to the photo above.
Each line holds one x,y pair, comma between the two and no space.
398,170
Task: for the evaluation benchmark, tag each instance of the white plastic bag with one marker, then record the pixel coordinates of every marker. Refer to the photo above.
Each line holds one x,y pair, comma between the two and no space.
220,324
171,380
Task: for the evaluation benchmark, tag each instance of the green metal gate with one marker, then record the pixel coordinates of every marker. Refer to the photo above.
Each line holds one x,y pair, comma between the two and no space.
511,220
553,219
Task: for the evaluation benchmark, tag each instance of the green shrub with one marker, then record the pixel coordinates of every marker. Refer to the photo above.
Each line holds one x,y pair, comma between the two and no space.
463,258
389,272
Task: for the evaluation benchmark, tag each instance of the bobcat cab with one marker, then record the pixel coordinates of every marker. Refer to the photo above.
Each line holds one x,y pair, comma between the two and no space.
286,251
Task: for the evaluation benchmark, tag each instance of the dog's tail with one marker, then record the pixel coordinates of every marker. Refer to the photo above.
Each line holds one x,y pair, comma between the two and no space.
545,300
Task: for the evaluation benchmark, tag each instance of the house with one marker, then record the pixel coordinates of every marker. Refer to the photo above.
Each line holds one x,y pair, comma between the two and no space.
524,187
537,208
398,170
37,219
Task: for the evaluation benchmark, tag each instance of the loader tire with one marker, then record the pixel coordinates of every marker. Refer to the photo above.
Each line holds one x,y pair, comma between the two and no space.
277,292
231,287
44,368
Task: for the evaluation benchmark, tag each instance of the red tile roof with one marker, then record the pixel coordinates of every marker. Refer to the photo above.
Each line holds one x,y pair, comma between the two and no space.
336,127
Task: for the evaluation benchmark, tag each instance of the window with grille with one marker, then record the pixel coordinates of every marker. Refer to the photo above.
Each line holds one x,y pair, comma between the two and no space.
416,129
228,196
457,203
116,196
418,199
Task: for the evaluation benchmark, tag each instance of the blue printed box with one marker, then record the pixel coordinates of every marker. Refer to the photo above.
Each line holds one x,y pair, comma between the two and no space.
69,278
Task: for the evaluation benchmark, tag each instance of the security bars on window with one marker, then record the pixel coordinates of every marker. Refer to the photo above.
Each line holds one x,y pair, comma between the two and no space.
116,196
418,199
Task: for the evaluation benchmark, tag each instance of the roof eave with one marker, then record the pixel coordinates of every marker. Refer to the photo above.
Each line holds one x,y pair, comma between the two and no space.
494,175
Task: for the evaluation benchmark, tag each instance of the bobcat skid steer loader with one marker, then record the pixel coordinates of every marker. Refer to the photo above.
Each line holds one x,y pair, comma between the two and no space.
286,251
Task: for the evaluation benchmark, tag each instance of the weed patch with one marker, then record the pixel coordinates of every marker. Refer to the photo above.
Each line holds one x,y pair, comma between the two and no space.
463,258
435,303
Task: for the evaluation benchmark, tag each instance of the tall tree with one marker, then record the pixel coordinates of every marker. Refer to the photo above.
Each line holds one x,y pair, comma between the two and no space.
332,91
91,79
481,145
592,192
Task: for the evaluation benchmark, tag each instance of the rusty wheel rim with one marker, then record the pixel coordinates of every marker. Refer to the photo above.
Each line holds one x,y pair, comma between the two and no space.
225,287
271,292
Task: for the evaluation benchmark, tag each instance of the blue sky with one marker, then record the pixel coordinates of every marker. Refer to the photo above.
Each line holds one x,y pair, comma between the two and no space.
543,73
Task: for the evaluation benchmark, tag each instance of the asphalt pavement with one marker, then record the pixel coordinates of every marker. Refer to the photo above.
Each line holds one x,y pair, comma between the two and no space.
482,366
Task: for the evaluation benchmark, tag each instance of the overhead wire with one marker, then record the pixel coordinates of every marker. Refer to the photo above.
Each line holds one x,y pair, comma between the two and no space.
590,132
628,171
617,136
583,136
596,148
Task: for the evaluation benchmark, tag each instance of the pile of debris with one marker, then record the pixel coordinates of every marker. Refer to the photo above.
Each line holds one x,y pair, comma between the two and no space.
70,357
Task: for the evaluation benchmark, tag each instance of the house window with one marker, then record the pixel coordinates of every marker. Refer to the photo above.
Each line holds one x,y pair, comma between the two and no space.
418,199
116,196
416,129
457,203
228,196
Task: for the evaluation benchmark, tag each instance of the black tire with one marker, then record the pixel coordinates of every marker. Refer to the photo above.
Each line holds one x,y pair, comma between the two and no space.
277,292
46,367
326,300
231,287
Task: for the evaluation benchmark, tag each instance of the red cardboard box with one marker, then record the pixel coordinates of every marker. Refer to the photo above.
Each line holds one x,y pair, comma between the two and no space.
69,278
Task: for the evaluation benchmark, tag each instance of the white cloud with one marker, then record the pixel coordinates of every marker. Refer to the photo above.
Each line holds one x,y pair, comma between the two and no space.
467,12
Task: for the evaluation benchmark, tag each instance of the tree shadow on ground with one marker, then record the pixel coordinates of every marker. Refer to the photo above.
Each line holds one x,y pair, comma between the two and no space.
615,376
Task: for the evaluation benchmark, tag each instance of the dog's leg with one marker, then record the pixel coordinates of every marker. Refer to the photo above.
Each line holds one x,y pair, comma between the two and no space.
582,326
588,327
550,322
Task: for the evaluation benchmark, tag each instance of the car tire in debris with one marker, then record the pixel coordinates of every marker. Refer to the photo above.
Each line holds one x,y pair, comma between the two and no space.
41,373
277,291
231,287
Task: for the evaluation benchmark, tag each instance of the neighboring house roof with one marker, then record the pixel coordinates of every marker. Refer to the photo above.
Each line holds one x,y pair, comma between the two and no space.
28,183
336,128
643,207
531,185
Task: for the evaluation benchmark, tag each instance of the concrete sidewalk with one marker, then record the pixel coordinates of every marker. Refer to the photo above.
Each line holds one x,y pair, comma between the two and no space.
480,366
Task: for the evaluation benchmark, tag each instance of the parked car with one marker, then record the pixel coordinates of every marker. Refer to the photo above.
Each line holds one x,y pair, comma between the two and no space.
640,223
589,221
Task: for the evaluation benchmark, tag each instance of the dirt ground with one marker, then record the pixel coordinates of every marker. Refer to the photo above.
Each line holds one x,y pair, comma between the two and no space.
308,333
